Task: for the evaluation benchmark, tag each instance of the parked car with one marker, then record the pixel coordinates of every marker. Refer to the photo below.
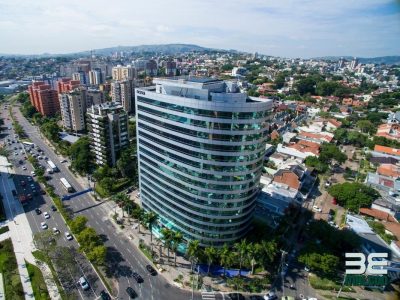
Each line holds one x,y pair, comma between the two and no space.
104,295
131,292
43,225
38,211
137,277
53,208
151,270
83,283
317,209
46,215
68,236
56,231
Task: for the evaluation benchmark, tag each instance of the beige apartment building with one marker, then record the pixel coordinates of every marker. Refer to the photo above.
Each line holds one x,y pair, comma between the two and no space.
123,72
73,109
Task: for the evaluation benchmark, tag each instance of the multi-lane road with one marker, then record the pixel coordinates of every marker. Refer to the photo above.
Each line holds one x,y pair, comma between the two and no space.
124,258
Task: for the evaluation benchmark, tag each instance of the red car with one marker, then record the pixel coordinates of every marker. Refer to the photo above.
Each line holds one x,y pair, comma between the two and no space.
334,201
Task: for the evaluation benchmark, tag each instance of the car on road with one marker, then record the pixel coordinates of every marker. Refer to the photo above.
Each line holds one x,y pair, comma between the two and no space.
44,225
46,215
53,208
131,292
137,277
151,270
56,231
270,296
317,209
83,283
104,295
68,236
38,211
236,296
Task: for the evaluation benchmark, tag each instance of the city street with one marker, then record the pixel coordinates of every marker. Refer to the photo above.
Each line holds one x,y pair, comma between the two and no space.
125,258
24,183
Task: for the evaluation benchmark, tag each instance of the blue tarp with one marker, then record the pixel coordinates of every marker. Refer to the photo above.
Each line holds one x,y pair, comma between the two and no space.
219,271
67,197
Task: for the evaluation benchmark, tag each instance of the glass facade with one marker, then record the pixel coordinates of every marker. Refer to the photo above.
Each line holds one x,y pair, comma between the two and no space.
200,163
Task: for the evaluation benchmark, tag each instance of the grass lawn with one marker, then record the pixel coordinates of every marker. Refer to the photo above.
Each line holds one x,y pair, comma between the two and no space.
8,266
40,256
39,286
326,284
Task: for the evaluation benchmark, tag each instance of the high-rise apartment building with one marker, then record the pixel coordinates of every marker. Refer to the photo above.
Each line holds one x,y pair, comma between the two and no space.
80,76
123,93
123,72
94,97
73,109
44,98
95,77
67,84
107,124
201,145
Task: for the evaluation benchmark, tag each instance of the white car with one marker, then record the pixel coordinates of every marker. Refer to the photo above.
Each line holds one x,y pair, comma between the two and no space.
56,231
24,168
68,236
317,209
46,215
63,161
33,173
43,225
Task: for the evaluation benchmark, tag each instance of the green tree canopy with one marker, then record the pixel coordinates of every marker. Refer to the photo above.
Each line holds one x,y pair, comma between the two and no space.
327,264
353,195
331,152
88,239
81,155
78,224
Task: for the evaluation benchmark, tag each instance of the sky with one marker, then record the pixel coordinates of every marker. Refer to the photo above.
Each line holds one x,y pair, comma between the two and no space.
286,28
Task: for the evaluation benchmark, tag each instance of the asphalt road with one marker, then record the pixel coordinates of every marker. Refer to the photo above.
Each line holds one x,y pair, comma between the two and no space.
125,257
24,183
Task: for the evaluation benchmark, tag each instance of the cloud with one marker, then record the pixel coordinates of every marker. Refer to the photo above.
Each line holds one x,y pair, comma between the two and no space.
340,27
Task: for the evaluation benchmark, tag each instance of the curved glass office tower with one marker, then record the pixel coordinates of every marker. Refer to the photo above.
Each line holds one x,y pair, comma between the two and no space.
200,148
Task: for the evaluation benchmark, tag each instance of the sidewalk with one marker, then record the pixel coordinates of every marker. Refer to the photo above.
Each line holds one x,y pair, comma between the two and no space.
22,238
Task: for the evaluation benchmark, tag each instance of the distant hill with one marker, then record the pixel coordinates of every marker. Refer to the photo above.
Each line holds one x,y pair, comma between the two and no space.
165,49
388,60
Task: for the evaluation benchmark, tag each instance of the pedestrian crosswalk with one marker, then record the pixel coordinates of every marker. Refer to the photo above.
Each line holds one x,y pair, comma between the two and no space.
208,295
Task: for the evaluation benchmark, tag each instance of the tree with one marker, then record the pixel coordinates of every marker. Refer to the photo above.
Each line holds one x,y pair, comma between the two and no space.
305,86
81,157
366,126
269,249
327,264
78,224
45,241
167,235
151,220
353,195
329,152
241,248
193,251
88,239
177,238
210,253
314,162
97,255
253,250
140,214
326,88
127,163
279,81
107,184
224,256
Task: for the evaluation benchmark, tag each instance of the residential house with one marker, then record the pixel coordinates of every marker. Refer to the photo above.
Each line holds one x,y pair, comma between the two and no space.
390,131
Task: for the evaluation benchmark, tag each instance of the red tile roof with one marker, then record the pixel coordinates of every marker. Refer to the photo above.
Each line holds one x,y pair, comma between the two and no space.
377,214
387,150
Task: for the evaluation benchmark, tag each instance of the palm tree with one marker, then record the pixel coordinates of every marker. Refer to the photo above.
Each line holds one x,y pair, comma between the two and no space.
177,238
193,251
269,249
241,248
167,238
139,213
151,220
210,253
224,253
252,254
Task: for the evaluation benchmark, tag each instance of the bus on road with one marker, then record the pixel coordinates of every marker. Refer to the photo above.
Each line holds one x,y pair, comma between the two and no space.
29,144
66,185
52,165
